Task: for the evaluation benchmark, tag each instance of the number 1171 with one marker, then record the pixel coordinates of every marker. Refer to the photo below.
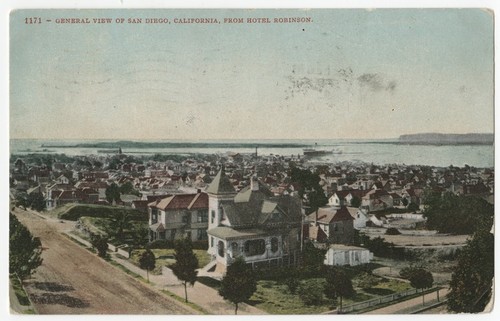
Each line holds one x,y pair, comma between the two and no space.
32,20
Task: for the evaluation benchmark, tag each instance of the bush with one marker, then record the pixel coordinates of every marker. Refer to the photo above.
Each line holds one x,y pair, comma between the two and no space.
311,293
160,244
392,231
292,284
101,244
73,212
200,245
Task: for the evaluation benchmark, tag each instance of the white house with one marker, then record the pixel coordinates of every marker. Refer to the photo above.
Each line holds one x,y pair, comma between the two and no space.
253,224
339,254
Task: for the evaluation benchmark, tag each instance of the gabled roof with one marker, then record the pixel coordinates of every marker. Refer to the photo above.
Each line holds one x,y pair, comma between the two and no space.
220,184
182,202
316,233
327,215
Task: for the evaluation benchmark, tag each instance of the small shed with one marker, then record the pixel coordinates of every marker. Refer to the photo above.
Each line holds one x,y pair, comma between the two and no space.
339,254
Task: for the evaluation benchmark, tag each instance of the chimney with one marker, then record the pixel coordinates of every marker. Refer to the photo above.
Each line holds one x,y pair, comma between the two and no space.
198,191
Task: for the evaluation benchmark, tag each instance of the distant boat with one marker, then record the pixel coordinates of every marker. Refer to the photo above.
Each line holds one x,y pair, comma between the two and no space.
320,152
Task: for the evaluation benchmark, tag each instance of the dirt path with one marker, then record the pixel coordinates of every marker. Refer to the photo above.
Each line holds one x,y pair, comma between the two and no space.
72,280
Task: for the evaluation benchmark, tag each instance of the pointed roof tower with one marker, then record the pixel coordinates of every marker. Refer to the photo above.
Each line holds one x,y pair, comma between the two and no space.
221,184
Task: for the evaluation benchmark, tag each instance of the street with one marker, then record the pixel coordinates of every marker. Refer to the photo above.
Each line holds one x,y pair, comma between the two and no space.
71,280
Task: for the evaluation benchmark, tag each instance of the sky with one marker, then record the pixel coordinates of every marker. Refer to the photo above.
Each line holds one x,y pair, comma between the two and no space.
349,73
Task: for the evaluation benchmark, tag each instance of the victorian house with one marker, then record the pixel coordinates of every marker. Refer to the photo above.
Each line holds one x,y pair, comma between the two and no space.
179,216
253,224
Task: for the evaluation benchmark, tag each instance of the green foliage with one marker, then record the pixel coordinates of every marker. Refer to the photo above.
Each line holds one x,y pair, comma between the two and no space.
117,224
147,261
356,201
471,282
309,187
338,284
310,293
367,280
239,283
292,281
457,214
35,201
392,231
24,250
100,244
113,193
413,207
312,257
421,278
73,212
140,235
186,263
378,246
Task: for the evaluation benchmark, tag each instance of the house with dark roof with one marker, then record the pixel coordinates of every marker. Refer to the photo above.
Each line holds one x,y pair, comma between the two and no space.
335,223
179,216
253,224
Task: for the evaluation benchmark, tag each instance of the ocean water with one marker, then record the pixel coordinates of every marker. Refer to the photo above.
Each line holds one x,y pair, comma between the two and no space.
370,151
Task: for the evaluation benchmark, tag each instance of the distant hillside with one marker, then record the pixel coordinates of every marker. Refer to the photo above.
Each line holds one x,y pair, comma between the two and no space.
448,139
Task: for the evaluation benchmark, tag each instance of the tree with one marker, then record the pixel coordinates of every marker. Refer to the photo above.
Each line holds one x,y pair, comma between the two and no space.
37,202
116,225
472,279
457,214
292,284
112,193
185,264
312,257
24,250
309,187
239,283
310,293
338,284
147,261
101,244
421,279
356,201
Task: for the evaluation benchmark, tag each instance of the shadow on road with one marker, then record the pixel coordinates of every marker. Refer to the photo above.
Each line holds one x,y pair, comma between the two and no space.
62,299
52,287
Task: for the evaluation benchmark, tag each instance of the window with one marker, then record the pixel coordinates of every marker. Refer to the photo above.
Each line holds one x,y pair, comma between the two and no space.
235,248
172,234
212,217
255,247
274,244
211,241
186,218
220,247
203,217
201,234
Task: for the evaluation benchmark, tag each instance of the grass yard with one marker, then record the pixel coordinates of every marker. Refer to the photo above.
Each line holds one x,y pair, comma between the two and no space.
275,298
19,290
165,257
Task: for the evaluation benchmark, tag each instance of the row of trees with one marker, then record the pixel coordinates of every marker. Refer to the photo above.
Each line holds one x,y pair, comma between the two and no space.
449,213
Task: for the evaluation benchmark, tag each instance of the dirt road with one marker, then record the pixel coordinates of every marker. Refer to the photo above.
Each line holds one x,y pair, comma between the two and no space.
72,280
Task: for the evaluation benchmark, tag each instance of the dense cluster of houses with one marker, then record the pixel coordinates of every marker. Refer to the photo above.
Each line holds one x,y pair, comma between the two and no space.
246,205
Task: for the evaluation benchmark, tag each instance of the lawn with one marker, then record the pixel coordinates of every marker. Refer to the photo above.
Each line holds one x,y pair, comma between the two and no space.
19,290
275,298
165,257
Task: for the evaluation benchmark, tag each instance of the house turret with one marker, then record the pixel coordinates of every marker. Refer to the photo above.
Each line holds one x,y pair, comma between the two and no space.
219,191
